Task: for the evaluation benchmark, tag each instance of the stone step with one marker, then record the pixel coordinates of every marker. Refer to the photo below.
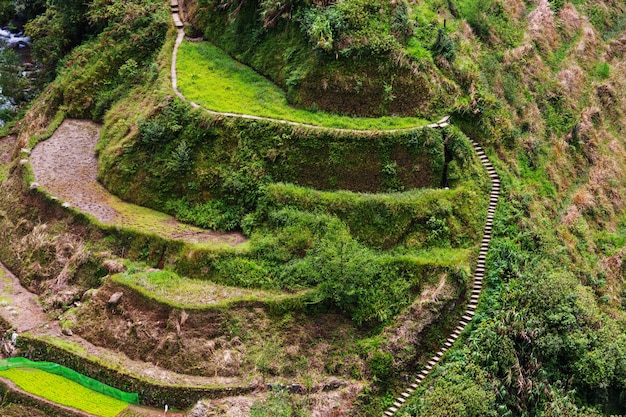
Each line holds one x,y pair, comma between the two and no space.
468,318
393,409
405,394
389,413
177,22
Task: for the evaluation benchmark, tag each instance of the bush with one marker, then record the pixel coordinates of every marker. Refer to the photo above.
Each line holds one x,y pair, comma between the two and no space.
444,46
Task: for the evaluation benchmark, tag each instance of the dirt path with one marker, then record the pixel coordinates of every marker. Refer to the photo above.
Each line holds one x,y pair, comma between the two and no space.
66,166
20,307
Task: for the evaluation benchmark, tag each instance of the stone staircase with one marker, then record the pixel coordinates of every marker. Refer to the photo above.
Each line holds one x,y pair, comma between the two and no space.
176,14
479,275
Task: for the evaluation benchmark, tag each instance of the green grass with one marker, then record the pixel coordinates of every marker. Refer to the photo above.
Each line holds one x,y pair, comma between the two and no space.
211,78
67,345
171,289
148,221
63,391
443,256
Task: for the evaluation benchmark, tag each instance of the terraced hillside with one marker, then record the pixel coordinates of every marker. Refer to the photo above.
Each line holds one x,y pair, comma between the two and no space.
482,254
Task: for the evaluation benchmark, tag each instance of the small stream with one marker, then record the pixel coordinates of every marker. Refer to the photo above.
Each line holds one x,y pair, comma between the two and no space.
21,45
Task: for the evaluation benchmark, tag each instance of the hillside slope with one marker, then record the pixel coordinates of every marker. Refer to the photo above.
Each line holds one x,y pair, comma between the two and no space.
345,225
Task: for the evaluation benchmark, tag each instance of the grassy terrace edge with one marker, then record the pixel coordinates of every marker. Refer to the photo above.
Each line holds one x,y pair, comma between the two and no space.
209,77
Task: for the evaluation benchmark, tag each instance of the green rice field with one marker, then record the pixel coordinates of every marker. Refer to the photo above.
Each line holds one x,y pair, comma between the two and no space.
63,391
211,78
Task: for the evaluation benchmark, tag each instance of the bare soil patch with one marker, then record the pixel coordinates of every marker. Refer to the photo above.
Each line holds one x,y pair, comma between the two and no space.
6,148
67,167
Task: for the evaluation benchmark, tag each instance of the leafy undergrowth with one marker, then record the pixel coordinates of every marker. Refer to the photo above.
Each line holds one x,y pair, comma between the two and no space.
63,391
209,77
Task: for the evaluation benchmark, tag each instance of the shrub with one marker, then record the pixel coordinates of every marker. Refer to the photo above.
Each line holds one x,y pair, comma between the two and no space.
444,46
181,159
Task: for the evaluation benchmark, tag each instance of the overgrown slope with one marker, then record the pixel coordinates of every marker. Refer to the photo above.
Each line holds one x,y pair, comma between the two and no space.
539,84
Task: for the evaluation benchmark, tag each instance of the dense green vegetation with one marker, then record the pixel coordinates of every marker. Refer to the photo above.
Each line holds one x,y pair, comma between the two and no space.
361,223
346,57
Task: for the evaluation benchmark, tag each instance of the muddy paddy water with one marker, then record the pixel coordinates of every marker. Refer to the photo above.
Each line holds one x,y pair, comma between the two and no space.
66,166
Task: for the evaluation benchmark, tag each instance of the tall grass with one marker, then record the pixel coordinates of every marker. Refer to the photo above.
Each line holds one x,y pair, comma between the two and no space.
65,392
211,78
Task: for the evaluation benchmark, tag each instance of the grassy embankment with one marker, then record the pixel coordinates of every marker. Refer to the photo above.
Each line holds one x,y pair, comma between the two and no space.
211,78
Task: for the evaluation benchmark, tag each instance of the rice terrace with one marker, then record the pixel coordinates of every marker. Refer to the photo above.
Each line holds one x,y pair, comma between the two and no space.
326,208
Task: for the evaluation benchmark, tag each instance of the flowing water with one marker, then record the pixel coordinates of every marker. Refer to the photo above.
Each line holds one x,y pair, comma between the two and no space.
21,45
